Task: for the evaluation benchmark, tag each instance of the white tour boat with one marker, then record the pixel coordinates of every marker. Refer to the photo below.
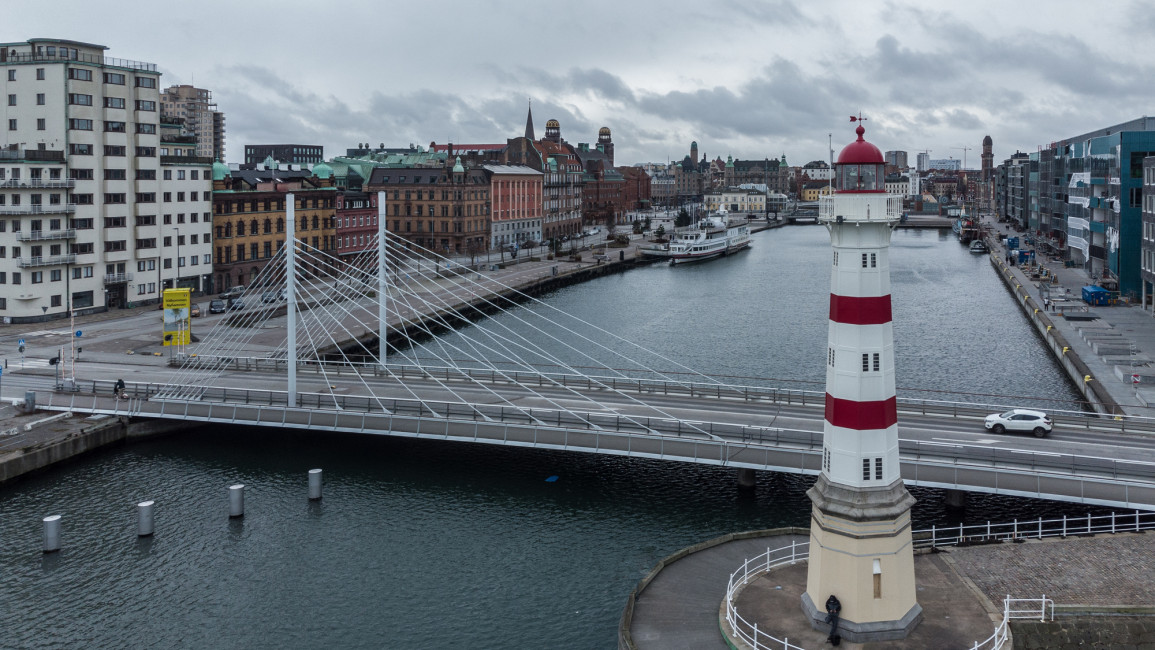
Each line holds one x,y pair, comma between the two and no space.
712,237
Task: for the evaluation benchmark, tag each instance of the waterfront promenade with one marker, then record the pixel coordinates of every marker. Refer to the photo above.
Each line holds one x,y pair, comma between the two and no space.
1118,343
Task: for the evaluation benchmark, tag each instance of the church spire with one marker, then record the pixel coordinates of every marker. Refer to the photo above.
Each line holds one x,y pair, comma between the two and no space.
529,122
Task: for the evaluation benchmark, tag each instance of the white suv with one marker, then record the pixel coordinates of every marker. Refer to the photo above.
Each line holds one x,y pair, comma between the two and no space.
1036,422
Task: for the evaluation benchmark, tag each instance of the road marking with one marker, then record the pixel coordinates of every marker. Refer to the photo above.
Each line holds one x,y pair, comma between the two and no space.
969,442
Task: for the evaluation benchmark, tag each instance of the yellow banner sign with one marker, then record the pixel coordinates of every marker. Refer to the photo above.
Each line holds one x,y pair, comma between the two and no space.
176,304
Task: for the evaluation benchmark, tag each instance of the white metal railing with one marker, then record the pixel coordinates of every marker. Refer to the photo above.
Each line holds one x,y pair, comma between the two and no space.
1033,529
1017,608
1013,608
747,631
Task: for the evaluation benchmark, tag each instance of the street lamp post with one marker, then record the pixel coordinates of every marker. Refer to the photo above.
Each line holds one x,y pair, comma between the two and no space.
176,280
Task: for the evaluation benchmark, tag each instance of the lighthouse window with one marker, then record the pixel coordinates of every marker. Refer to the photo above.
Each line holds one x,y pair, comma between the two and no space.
835,258
826,460
878,469
830,357
864,260
873,260
875,359
865,362
866,469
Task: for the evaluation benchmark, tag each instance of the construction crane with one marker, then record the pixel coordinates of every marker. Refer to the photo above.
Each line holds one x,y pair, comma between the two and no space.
964,150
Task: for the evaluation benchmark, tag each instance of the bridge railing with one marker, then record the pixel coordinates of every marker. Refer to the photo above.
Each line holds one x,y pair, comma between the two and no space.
665,387
927,455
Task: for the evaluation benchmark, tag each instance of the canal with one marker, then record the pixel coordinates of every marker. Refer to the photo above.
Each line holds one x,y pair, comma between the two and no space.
421,545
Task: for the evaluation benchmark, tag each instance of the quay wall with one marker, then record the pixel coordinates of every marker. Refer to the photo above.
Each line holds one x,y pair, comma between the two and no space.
1093,392
79,438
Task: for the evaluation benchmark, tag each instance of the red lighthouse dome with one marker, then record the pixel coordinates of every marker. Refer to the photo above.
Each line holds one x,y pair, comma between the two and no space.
860,166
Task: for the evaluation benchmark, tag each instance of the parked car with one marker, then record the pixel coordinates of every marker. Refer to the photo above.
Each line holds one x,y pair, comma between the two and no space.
1036,422
236,304
233,292
271,296
195,310
217,307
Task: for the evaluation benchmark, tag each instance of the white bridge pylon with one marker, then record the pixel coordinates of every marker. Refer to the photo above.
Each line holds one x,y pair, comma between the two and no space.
355,321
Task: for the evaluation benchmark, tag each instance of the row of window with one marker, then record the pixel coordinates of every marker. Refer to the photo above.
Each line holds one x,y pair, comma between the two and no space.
33,199
34,173
866,463
268,205
85,74
77,124
871,362
112,150
869,260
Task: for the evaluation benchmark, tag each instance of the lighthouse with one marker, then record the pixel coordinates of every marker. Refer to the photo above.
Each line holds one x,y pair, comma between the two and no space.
860,538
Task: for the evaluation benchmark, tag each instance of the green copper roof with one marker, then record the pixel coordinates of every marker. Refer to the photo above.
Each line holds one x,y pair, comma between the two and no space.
321,170
220,171
457,168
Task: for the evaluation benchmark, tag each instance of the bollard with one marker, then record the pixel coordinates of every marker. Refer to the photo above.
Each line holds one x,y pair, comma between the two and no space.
237,500
314,484
52,534
144,518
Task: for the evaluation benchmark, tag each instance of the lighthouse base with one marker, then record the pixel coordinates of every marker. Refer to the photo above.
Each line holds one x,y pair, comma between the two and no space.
861,553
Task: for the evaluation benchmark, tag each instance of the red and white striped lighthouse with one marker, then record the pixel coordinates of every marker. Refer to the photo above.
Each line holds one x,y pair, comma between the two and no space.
860,524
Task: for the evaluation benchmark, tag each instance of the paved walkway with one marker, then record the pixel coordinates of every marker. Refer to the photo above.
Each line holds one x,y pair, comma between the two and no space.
960,590
1129,325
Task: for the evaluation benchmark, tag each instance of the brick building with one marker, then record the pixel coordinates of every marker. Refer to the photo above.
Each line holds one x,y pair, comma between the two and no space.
249,215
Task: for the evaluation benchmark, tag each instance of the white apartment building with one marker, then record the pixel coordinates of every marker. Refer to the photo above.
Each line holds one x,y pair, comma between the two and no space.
84,224
738,202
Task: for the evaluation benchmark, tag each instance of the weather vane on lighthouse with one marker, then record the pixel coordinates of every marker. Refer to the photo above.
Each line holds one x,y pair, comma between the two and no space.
859,118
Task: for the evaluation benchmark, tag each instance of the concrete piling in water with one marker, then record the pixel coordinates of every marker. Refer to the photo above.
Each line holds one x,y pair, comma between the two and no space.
52,533
314,484
746,478
237,500
144,518
956,498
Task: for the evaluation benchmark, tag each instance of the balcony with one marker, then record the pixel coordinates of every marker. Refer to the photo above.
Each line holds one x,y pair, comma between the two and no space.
19,211
55,260
117,278
33,57
37,183
31,155
45,235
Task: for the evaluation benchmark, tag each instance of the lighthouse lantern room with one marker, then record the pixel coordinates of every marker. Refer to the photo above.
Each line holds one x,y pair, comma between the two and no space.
860,538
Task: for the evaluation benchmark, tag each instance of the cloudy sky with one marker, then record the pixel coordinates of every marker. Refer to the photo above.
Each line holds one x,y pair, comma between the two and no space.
748,79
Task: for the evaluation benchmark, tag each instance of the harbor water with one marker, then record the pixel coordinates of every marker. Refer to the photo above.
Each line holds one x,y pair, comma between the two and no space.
428,545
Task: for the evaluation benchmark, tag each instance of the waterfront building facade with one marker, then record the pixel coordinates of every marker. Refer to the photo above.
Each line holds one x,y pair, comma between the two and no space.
249,216
195,106
516,205
439,209
82,193
1088,190
1147,244
737,201
356,224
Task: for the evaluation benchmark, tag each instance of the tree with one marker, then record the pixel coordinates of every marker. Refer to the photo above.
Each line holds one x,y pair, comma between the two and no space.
661,231
683,219
649,220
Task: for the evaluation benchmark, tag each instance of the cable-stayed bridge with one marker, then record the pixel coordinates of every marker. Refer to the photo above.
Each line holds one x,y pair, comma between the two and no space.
374,344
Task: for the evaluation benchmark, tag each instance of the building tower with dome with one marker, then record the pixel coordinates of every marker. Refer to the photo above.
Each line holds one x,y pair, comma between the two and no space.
860,537
988,180
606,143
553,131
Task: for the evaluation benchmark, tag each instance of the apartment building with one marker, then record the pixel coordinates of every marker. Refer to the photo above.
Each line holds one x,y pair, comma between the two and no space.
82,191
249,213
201,118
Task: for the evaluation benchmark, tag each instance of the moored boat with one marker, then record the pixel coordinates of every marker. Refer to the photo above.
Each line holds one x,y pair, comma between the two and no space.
979,246
711,237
